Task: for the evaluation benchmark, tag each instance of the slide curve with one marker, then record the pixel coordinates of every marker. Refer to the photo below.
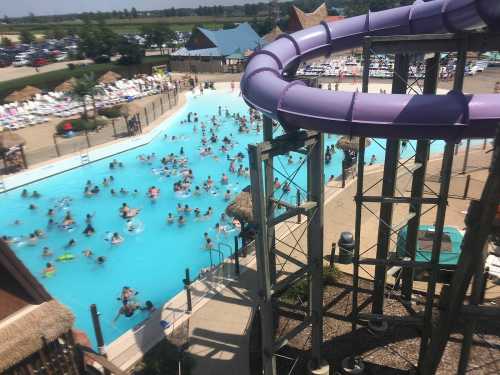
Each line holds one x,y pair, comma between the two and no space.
449,117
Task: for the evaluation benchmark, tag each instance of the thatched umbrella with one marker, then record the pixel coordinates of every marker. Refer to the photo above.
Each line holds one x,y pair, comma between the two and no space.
130,109
66,86
25,335
10,139
241,207
109,77
347,143
22,95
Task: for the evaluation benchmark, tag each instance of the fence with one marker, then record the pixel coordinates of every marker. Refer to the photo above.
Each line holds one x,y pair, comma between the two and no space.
114,129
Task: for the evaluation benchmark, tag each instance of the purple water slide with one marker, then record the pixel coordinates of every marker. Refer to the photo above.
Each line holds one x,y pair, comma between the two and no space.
452,117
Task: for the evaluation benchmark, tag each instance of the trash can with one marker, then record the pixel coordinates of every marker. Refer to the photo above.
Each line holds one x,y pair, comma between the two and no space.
346,247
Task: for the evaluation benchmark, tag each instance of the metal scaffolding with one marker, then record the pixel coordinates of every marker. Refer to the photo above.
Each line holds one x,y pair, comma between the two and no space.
420,201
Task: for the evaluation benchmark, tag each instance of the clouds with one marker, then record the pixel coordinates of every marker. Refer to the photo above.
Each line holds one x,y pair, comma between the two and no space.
19,8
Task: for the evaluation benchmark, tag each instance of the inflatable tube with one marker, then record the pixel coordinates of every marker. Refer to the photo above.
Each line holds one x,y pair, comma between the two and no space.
66,257
296,106
134,226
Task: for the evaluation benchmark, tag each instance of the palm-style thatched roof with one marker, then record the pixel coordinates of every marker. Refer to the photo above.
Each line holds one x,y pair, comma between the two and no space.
22,95
109,77
10,139
130,109
66,86
347,143
241,207
22,334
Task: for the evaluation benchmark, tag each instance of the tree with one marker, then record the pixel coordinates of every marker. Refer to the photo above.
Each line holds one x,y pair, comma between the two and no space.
96,41
133,12
6,42
86,86
26,37
131,53
159,35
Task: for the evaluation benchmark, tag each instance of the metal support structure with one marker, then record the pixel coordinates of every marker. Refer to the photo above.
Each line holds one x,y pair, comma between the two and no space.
272,281
399,86
236,256
417,187
267,128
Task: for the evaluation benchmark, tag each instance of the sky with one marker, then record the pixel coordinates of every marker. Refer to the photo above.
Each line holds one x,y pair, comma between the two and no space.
19,8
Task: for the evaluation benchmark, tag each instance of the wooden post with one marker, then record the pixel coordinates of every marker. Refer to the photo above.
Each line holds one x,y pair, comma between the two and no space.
161,104
58,152
114,128
146,116
466,189
332,254
98,333
87,138
236,257
187,286
154,111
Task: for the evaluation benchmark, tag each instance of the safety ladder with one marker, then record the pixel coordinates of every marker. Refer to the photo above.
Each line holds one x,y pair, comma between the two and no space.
84,158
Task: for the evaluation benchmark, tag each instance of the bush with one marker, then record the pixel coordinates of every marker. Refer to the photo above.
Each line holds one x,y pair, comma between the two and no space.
79,125
102,59
330,275
111,112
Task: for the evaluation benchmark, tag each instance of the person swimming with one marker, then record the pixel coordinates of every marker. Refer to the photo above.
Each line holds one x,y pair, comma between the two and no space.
89,230
35,194
71,243
46,252
170,218
227,195
127,310
49,269
181,221
68,219
87,253
116,239
100,259
32,207
32,240
24,193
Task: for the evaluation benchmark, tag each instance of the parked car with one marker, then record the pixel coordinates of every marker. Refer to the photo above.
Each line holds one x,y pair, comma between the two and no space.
20,61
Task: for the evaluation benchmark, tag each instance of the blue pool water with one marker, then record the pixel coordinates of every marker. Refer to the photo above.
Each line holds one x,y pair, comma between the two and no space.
152,261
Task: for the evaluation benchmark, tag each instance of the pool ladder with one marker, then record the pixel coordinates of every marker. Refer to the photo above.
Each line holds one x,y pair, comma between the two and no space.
84,158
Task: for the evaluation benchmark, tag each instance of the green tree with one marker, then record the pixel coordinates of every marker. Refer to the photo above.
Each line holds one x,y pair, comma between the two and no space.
133,12
84,87
97,40
159,34
26,37
6,42
131,53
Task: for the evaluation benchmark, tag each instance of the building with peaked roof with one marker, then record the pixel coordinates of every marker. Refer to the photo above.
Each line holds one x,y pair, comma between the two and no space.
221,43
300,20
272,35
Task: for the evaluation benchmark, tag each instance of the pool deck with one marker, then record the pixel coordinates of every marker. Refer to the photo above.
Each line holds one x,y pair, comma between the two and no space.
218,332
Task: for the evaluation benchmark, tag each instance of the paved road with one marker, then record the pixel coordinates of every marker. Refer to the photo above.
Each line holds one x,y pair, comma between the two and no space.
11,72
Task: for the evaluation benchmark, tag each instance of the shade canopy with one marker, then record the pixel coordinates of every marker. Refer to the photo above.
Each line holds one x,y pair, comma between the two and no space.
9,139
347,143
109,77
130,109
241,208
66,86
22,95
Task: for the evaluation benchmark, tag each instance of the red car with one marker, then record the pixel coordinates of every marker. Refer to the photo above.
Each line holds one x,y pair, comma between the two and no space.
40,61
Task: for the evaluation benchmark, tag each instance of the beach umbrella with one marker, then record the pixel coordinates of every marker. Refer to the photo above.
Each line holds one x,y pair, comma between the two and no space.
347,143
23,95
66,86
241,207
10,139
109,77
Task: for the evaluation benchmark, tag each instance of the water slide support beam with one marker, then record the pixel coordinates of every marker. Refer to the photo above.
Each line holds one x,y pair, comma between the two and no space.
418,181
261,245
269,184
446,171
399,86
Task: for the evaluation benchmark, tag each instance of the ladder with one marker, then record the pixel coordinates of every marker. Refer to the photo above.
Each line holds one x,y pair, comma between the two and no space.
84,158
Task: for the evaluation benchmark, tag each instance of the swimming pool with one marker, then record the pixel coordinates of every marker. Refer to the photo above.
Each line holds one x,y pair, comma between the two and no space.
153,260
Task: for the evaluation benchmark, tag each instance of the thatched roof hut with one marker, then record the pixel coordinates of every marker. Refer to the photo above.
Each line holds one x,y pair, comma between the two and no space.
10,139
66,86
25,332
241,207
22,95
130,109
109,77
273,34
347,143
